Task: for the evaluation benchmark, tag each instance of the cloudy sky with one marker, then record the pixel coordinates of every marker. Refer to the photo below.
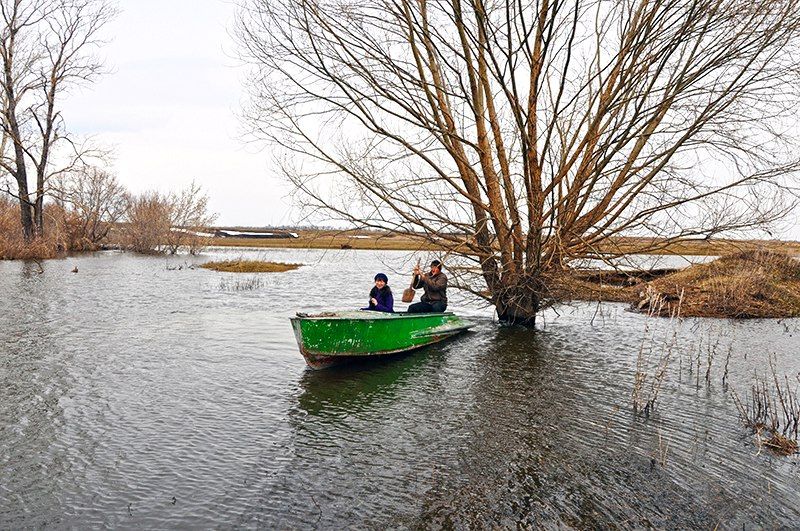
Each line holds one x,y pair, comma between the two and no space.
168,109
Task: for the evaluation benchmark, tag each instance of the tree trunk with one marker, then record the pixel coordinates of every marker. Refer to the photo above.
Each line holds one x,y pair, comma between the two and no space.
519,300
38,215
26,218
25,211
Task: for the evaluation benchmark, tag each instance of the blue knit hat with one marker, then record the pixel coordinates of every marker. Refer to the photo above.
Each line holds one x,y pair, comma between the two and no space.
381,276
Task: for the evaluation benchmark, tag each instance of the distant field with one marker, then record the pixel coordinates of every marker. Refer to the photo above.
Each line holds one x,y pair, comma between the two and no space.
331,239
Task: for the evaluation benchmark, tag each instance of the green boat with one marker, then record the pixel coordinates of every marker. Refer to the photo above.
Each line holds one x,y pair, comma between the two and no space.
335,337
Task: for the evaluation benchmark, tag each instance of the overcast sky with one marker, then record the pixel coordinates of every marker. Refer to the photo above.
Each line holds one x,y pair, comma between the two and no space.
168,109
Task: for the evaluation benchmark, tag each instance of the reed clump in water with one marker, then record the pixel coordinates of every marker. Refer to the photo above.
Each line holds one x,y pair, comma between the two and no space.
772,411
654,354
251,283
249,266
751,284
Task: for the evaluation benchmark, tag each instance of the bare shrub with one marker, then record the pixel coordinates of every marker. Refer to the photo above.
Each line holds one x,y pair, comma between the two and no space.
148,222
188,216
165,223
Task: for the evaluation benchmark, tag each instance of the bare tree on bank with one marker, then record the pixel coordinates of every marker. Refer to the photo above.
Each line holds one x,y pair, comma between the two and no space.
524,135
45,48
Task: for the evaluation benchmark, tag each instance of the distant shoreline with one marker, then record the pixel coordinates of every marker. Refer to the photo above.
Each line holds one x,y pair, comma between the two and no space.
365,240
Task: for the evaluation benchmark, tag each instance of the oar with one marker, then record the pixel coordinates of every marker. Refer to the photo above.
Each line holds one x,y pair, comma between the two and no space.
408,293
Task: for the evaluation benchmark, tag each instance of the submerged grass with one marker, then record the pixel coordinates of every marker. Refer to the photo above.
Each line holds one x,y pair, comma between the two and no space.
251,283
771,409
654,355
249,266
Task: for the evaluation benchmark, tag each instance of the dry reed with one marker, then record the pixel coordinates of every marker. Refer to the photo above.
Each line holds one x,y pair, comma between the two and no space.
241,284
644,396
771,409
61,233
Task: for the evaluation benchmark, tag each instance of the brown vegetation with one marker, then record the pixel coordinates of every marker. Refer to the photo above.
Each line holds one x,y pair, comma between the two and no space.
694,247
96,202
748,284
744,285
91,209
249,266
772,411
166,222
387,241
593,285
333,239
61,234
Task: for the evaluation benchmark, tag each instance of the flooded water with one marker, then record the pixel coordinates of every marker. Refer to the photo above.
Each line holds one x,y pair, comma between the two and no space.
140,392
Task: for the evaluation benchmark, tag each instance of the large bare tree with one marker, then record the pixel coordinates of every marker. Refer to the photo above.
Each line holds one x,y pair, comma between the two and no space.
522,135
46,47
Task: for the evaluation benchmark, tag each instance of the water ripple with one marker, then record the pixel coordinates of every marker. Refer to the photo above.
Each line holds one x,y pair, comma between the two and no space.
138,395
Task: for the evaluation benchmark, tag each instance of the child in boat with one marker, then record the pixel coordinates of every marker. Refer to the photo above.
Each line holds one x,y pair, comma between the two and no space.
380,297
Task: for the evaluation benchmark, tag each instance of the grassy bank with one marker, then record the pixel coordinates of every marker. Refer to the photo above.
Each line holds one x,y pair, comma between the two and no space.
749,284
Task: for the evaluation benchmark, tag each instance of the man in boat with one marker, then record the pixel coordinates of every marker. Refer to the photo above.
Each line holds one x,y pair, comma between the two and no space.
434,300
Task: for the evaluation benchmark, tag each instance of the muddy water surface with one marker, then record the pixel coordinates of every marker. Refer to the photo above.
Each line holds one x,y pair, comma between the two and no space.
139,392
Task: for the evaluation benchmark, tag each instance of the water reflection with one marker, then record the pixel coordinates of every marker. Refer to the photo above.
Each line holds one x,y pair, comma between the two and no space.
30,269
348,389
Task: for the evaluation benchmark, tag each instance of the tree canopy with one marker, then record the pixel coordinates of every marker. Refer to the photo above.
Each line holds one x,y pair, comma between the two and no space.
524,135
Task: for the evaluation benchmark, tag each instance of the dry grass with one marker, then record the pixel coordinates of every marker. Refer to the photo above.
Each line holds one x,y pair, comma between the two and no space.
597,285
772,411
751,284
712,247
61,234
251,283
331,239
652,364
249,266
374,240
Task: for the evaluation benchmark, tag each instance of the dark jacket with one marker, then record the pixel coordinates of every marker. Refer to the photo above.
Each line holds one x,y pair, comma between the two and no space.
435,287
384,297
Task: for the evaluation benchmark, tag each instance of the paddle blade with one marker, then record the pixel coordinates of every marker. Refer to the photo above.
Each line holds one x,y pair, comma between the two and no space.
408,295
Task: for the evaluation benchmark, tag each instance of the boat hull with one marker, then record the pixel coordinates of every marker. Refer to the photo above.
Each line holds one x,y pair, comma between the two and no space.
334,338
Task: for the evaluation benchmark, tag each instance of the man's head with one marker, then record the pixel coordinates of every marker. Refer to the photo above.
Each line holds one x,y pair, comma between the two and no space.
436,267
